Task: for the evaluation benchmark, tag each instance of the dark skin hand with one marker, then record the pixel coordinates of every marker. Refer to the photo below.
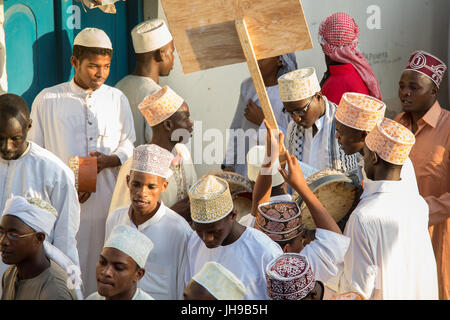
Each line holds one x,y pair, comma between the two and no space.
254,113
103,162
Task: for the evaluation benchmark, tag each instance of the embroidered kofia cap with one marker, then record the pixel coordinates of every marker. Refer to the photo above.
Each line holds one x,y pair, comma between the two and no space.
298,85
360,111
210,200
150,35
391,141
289,277
427,64
160,106
152,159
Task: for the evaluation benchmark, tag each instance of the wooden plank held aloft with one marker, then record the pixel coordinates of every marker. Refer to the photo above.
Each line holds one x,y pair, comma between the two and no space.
258,81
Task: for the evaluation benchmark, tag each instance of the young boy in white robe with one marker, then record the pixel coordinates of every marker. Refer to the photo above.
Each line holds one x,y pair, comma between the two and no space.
121,265
169,117
390,254
356,116
84,117
168,231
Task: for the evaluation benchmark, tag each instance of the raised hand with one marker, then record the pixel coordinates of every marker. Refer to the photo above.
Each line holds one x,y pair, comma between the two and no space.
294,176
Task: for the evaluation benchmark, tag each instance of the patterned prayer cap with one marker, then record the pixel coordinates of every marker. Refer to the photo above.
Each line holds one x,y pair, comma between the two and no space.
338,30
280,220
391,141
428,65
255,159
360,111
220,282
289,277
94,38
298,85
131,242
210,200
348,296
150,35
152,159
160,106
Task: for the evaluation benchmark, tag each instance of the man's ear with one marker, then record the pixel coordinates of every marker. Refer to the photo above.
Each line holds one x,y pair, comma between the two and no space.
167,125
164,186
74,62
128,181
286,248
139,274
375,158
233,214
40,236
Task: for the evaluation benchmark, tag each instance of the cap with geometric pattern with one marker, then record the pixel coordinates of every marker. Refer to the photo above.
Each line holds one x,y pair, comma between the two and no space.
391,141
160,106
152,159
298,85
428,65
210,200
360,111
289,277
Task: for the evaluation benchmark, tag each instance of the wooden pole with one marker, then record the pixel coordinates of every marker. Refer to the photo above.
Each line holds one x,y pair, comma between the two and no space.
258,81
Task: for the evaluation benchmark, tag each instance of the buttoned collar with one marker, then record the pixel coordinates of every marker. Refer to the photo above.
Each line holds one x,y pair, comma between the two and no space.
83,92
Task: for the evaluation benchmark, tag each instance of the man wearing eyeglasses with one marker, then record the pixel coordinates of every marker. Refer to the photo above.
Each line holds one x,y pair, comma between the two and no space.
35,271
311,134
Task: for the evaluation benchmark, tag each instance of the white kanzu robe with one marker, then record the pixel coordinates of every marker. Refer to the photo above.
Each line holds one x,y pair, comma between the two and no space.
390,255
39,173
70,121
136,88
247,258
182,178
166,263
139,295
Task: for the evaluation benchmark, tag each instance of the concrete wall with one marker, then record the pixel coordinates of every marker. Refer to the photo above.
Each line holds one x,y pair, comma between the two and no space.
390,32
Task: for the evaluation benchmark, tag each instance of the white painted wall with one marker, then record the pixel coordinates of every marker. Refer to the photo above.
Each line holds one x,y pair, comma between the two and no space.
405,26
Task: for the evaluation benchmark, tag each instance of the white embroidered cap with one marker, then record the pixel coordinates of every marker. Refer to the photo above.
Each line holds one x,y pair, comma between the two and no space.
298,85
255,159
93,37
131,242
220,282
152,159
150,35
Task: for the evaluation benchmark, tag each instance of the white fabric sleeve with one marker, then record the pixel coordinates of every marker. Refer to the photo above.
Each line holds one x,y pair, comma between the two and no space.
325,253
36,133
64,198
359,272
128,135
182,265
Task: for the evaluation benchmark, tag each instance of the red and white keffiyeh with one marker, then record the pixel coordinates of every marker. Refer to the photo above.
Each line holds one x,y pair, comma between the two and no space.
339,38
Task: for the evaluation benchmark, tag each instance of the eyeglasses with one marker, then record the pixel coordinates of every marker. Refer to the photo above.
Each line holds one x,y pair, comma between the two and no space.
14,236
300,113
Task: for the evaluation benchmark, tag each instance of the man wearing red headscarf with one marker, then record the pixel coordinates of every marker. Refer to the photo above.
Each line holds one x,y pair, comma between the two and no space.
347,69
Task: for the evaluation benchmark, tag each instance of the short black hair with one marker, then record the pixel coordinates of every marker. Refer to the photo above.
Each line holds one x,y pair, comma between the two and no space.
81,52
145,56
14,106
